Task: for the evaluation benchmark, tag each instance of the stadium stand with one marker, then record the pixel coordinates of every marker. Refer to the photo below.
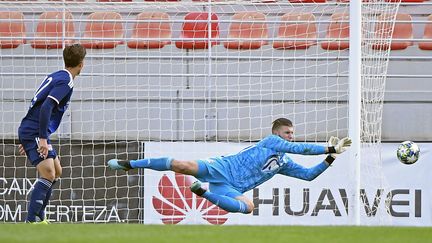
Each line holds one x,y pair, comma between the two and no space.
427,45
244,28
258,31
198,29
402,30
102,26
12,25
307,1
114,0
162,0
305,28
151,30
46,28
337,29
406,1
407,75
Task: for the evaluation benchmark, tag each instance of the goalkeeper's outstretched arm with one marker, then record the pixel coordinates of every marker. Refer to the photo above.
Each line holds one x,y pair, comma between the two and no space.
295,170
298,171
279,144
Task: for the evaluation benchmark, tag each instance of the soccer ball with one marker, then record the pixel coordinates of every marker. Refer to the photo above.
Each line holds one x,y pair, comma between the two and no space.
408,152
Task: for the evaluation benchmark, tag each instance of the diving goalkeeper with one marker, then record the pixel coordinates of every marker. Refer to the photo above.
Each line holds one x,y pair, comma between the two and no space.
230,176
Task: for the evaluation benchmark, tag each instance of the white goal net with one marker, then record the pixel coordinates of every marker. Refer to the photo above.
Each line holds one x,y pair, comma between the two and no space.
158,81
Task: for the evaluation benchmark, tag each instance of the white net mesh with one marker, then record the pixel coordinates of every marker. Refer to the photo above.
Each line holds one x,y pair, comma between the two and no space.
149,76
377,31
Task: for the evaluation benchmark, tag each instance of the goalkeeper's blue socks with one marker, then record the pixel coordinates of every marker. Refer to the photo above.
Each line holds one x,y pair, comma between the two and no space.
37,198
46,201
160,164
226,203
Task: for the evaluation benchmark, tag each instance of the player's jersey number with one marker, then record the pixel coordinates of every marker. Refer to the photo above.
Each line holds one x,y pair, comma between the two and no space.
44,84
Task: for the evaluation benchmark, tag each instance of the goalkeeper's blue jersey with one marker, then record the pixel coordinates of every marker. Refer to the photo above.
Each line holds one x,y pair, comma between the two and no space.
57,86
257,163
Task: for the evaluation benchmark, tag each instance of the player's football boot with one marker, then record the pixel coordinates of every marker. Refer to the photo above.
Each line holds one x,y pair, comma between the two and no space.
45,221
40,222
197,189
116,164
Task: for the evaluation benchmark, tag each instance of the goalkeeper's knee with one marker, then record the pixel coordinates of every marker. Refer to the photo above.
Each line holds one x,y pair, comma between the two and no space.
249,207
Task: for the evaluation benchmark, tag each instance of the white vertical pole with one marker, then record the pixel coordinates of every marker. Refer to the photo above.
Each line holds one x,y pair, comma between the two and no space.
211,124
64,26
355,99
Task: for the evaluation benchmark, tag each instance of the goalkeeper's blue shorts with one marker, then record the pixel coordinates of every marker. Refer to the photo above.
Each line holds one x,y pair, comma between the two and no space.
215,175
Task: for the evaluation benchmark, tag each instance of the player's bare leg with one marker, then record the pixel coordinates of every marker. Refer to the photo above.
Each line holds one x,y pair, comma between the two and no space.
46,169
57,167
186,167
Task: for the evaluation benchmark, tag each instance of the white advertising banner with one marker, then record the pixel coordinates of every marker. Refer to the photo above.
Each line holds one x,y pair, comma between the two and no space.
399,196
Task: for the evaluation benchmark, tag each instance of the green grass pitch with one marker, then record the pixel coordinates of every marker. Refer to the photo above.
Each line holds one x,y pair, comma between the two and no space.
106,233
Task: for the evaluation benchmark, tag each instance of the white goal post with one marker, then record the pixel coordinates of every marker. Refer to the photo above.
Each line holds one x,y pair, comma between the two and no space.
161,84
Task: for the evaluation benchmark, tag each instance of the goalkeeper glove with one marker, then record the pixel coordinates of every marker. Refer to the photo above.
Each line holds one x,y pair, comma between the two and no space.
343,145
332,142
338,146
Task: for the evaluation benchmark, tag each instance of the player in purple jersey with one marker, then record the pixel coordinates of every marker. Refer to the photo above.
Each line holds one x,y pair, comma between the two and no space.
42,119
230,176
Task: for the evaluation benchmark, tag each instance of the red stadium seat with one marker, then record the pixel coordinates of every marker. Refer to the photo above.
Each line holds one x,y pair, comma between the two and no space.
244,28
151,30
405,1
262,1
161,0
427,35
337,29
12,25
48,28
113,1
347,1
307,1
194,30
401,31
103,26
214,0
305,28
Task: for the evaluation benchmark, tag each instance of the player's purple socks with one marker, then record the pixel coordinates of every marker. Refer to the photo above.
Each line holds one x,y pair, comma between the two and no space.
160,164
37,198
226,203
46,201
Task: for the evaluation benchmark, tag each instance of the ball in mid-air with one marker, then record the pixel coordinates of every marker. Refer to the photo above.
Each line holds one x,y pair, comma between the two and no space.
408,152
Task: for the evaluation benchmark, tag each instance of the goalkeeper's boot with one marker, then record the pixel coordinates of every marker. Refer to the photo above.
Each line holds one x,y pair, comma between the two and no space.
116,164
197,189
